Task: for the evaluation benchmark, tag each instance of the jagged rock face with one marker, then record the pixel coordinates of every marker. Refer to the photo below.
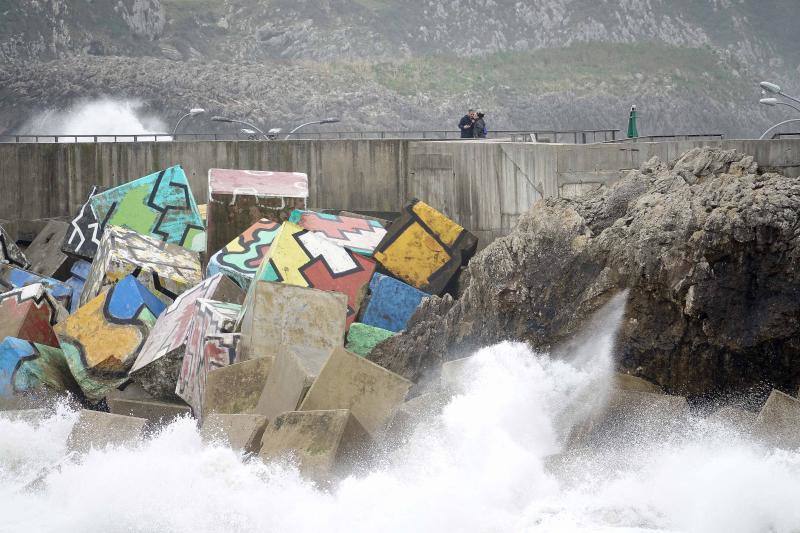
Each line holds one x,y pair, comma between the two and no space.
707,247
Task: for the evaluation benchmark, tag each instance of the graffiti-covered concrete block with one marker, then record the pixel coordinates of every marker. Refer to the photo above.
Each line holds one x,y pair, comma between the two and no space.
165,269
277,316
159,362
45,254
102,339
242,256
160,205
10,252
303,258
348,381
29,313
362,338
26,366
424,248
210,319
391,303
236,388
358,234
77,279
236,198
324,442
240,432
83,236
14,278
97,430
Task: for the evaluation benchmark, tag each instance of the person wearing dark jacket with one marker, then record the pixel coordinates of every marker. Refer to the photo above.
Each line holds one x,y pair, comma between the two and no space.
479,127
466,123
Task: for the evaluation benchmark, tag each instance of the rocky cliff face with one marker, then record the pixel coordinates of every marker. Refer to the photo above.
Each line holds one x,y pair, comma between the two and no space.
707,247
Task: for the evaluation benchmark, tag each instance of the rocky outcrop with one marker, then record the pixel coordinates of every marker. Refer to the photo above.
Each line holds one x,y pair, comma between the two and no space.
707,246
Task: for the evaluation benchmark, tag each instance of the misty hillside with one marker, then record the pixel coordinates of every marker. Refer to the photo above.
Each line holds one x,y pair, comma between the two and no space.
690,65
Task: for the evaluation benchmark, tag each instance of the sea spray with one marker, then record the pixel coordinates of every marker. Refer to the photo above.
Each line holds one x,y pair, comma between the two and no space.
484,464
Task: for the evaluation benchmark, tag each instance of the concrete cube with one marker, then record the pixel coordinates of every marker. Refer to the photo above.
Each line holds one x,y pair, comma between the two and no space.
291,375
360,235
103,338
159,362
391,303
278,316
324,443
236,198
26,366
14,278
369,391
236,388
45,254
165,269
362,338
83,236
635,384
241,257
778,423
10,252
240,432
418,409
29,313
734,418
160,205
156,413
424,248
94,429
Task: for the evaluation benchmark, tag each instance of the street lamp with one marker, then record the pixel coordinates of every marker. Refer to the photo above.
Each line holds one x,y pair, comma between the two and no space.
776,89
772,102
234,121
192,113
778,125
331,120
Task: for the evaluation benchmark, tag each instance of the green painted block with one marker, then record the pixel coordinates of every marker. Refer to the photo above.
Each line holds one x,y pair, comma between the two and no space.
361,338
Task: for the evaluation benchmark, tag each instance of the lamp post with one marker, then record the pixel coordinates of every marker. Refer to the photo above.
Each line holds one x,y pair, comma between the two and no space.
192,113
778,125
234,121
331,120
776,89
772,102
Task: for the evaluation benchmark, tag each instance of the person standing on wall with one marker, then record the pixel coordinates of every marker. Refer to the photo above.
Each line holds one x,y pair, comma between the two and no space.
479,130
466,124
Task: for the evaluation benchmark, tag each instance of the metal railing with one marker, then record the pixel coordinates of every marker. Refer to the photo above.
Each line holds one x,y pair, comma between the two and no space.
786,135
678,137
553,136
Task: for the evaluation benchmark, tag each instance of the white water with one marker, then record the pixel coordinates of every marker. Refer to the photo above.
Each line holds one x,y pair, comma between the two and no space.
480,466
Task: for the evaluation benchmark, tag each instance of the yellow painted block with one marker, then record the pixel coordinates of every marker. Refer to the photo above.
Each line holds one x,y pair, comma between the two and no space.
414,255
288,256
445,229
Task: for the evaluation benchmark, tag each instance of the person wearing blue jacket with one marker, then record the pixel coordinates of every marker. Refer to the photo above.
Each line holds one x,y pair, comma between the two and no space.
467,123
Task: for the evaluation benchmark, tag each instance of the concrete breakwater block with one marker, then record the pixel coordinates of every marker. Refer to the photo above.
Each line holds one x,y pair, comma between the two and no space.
362,338
778,422
94,429
633,383
369,391
292,373
77,279
302,258
391,303
241,432
10,252
159,362
238,197
160,205
416,410
30,313
360,235
734,418
210,319
165,269
156,413
83,235
324,443
277,316
424,248
242,256
45,254
103,338
14,278
236,388
26,366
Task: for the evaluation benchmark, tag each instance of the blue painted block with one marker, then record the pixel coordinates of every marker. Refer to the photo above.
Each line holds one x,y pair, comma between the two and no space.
79,271
25,366
14,278
391,303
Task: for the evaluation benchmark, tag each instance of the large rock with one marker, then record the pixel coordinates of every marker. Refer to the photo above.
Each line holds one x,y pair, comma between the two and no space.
706,245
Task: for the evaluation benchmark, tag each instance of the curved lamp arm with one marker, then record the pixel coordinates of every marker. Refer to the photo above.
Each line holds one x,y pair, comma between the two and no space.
776,126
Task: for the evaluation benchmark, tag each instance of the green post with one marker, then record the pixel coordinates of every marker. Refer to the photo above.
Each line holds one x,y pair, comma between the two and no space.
632,131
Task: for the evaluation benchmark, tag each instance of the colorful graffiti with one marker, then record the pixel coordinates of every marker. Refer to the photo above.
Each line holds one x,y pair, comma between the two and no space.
358,234
84,233
160,205
26,366
210,318
165,269
237,197
362,338
159,361
424,248
13,278
102,339
29,313
301,257
241,258
77,279
391,303
10,252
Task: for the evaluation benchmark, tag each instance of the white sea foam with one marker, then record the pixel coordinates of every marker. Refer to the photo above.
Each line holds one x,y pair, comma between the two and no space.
485,464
